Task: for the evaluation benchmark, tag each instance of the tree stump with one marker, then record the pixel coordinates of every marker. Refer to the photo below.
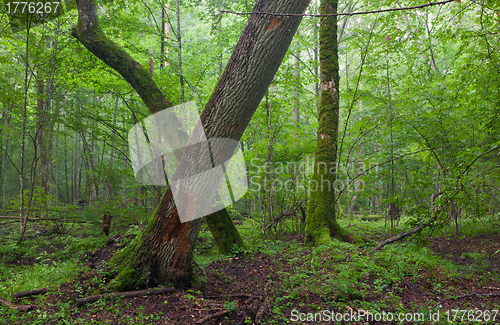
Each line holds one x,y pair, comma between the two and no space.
106,223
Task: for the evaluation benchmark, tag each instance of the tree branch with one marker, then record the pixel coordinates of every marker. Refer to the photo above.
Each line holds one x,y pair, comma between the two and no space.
342,13
90,34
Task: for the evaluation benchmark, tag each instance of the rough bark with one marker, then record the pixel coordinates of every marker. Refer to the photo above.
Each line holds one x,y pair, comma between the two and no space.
320,221
226,236
44,135
89,33
33,292
138,293
164,252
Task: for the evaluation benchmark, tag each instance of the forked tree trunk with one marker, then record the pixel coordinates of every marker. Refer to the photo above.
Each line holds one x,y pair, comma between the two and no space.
89,33
320,221
164,252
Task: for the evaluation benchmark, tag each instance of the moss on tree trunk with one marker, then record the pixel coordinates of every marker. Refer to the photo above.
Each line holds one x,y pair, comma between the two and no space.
164,252
89,33
321,224
226,236
161,255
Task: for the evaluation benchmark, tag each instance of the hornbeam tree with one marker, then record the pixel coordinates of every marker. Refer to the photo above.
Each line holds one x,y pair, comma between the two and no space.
321,224
164,252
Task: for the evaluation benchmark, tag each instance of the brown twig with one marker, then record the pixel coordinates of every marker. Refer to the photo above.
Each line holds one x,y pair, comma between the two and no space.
261,311
220,313
233,295
341,13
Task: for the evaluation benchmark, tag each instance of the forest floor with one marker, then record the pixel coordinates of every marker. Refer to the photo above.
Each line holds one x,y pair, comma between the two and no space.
279,282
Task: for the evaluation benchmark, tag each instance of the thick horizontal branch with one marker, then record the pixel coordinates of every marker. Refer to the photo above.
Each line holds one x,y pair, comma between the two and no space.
127,294
341,13
33,292
45,219
14,306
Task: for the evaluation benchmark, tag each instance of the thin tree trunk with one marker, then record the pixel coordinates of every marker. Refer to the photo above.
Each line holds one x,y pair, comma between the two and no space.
44,137
296,103
111,154
5,159
268,176
124,179
179,42
164,35
219,20
22,225
91,175
316,62
77,172
66,174
392,206
56,151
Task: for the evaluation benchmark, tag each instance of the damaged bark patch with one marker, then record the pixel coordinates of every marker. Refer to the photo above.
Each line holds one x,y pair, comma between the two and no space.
330,86
273,22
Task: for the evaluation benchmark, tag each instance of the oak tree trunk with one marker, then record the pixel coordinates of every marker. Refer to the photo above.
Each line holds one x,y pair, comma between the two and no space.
89,33
164,252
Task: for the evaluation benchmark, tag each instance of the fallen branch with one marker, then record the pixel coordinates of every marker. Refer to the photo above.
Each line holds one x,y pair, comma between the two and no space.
399,237
14,306
21,294
6,222
127,294
232,295
260,312
45,219
479,295
220,313
414,230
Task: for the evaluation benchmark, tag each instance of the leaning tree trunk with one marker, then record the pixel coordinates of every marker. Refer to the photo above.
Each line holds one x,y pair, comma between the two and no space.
164,252
320,222
89,33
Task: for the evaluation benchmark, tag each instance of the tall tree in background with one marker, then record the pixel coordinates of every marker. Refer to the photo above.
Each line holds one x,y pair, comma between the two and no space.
320,222
164,252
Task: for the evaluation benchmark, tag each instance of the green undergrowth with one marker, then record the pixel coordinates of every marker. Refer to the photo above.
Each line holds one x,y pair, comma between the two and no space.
43,261
345,271
336,276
